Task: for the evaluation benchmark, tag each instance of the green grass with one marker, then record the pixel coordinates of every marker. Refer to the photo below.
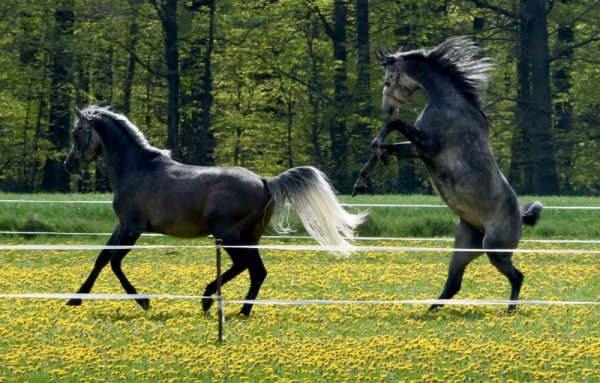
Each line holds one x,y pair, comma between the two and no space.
381,222
116,341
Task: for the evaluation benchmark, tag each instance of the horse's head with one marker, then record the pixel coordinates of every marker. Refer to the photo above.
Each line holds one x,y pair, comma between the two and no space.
398,87
86,144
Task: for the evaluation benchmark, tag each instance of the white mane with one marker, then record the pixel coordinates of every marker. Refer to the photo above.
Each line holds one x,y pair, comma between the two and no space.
94,112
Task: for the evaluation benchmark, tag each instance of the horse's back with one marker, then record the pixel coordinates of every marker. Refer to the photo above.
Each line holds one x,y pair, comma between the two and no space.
189,201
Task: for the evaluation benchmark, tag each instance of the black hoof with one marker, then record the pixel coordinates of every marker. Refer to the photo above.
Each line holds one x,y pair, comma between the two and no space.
434,308
74,302
145,303
358,190
243,314
207,303
245,311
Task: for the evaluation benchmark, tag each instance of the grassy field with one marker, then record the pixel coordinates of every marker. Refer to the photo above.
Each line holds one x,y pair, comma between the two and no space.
112,341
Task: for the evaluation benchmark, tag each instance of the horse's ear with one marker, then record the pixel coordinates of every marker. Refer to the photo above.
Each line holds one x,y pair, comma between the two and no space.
385,59
380,53
78,113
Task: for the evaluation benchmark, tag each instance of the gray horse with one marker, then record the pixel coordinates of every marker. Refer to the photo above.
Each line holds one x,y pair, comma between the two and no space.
451,137
154,193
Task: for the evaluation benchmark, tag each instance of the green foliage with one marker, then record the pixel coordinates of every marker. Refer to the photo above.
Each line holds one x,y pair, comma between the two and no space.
273,81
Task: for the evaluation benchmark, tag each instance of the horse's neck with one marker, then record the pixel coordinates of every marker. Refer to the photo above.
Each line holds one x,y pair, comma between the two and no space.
438,88
123,156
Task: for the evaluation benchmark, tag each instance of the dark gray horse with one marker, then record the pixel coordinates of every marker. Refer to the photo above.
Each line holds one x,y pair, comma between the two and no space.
154,193
451,137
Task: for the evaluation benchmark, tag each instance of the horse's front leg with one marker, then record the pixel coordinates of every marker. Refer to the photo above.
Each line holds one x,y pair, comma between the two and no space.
401,150
413,134
120,237
363,177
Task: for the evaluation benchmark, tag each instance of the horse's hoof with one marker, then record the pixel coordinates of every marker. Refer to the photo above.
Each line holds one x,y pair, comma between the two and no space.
74,302
358,189
145,303
206,304
434,308
385,158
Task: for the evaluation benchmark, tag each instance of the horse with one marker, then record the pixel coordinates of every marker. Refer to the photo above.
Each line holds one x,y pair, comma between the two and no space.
155,193
451,138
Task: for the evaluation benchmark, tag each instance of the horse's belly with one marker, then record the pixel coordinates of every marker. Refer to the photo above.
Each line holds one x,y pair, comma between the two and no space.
458,201
180,228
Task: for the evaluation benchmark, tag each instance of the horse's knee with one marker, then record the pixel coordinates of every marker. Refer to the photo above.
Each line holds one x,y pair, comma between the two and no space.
211,289
258,274
518,277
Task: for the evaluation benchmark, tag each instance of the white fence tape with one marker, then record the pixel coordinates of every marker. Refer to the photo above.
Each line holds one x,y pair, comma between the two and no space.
302,237
447,302
373,205
305,302
50,201
298,248
99,247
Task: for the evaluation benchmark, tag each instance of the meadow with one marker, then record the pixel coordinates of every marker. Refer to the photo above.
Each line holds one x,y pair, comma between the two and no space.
113,341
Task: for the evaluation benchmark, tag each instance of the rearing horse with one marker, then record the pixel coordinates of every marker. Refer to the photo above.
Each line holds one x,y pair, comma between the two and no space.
451,137
154,193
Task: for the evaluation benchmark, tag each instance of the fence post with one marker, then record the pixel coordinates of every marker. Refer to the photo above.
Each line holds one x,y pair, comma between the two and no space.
219,297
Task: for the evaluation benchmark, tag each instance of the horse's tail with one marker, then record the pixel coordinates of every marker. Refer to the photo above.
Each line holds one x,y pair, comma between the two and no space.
311,195
530,212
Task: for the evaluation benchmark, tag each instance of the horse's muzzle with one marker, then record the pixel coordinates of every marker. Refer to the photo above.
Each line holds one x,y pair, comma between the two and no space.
72,164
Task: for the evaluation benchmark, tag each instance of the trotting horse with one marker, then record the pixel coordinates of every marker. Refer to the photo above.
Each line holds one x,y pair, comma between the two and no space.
451,137
154,193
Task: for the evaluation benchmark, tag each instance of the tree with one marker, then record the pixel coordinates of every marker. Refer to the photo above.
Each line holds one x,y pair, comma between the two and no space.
337,128
167,13
55,178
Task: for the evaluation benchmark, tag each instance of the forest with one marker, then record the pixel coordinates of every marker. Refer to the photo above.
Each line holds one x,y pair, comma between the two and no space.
272,84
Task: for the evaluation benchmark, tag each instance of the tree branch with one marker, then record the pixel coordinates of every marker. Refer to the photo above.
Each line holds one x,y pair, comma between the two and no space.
197,4
140,61
328,28
502,11
571,47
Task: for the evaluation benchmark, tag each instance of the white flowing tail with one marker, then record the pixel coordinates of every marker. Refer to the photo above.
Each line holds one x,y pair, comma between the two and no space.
312,197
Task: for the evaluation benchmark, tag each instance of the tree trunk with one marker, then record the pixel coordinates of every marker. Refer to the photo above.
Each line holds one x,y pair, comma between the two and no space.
207,141
521,170
128,84
56,179
337,129
167,11
545,177
362,132
314,97
564,109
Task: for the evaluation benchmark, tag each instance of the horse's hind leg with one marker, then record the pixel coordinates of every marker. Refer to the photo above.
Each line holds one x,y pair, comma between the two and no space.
505,239
242,259
258,273
503,262
466,237
240,263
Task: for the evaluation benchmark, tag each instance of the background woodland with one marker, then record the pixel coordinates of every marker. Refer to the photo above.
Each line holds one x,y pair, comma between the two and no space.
269,85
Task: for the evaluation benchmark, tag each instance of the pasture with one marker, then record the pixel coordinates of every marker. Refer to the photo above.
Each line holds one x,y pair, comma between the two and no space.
108,341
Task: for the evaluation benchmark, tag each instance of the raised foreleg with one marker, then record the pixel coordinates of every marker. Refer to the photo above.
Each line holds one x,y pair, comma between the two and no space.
401,150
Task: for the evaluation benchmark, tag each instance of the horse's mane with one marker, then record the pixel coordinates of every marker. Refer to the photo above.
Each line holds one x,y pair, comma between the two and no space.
94,112
460,59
